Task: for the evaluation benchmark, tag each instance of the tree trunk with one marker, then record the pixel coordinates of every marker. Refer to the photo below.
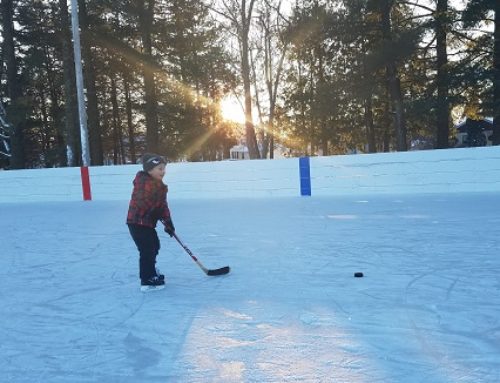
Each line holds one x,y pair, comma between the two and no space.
253,149
263,135
251,137
386,122
56,116
116,124
496,77
43,136
146,21
370,128
130,125
324,140
393,81
443,108
273,93
95,139
16,111
71,123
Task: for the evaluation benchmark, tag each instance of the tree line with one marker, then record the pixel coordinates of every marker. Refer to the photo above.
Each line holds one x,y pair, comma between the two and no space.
312,76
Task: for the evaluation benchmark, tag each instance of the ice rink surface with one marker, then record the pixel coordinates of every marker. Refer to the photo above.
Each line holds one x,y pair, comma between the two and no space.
427,309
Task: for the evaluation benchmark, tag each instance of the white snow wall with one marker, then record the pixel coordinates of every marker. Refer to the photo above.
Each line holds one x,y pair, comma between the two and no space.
432,171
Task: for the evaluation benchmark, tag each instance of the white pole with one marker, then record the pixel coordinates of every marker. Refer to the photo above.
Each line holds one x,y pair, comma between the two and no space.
82,112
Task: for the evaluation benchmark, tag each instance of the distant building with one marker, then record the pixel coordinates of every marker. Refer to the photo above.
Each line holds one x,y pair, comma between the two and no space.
239,152
472,133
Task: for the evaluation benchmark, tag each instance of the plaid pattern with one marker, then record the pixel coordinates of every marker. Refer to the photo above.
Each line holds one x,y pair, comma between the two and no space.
149,201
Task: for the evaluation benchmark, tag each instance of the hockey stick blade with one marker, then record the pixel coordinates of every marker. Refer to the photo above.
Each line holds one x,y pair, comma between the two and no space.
222,271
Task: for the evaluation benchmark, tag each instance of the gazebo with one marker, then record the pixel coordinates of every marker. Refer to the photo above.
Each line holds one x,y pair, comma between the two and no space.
239,152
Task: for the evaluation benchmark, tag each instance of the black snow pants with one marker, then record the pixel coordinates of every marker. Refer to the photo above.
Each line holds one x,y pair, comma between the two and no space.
148,245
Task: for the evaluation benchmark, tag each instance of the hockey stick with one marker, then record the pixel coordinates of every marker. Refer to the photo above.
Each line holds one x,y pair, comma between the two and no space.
221,271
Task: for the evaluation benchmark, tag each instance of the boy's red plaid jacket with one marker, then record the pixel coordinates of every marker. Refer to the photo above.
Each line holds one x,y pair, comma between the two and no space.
149,201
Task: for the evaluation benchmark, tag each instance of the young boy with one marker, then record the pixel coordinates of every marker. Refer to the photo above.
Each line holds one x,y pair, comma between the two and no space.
148,205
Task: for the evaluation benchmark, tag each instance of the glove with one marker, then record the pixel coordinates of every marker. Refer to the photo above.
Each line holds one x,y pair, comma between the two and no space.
169,226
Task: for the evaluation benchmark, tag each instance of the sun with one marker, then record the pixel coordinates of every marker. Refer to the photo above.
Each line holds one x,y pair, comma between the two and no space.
232,110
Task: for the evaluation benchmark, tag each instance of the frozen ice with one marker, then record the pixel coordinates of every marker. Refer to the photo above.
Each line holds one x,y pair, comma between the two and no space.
426,310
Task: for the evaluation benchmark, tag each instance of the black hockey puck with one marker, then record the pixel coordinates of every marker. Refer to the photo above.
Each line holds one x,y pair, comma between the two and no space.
358,274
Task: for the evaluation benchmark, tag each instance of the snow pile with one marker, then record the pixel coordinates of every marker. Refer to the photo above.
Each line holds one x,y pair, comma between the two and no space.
434,171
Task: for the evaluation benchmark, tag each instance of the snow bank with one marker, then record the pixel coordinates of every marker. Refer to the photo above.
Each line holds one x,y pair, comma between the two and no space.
430,171
434,171
222,179
41,185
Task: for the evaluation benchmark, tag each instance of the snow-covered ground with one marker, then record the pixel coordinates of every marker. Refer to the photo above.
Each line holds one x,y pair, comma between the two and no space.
426,311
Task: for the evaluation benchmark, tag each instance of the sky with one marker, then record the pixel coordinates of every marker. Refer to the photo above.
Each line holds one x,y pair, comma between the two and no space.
290,310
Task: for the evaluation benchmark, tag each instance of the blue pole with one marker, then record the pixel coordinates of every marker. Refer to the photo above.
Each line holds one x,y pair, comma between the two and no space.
305,176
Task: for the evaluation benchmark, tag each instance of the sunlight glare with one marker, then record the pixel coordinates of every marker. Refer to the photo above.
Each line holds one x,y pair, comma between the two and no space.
232,110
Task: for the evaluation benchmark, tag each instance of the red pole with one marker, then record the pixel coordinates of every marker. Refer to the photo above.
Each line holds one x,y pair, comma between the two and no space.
87,196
